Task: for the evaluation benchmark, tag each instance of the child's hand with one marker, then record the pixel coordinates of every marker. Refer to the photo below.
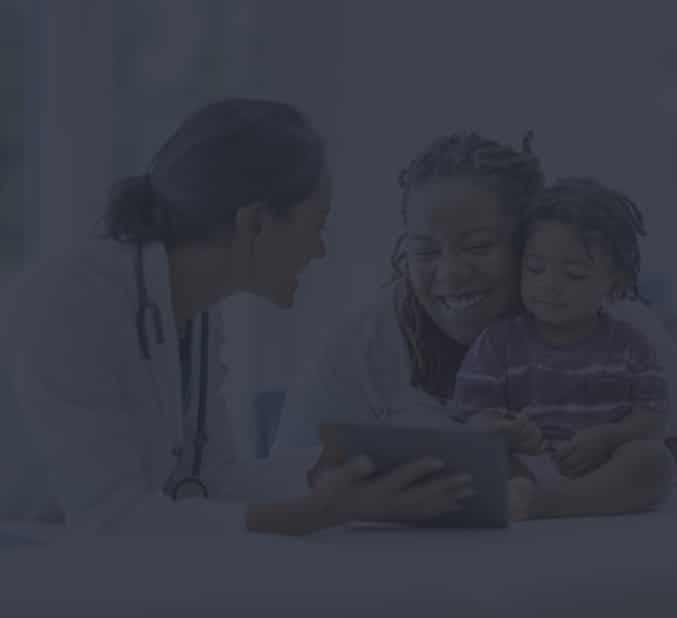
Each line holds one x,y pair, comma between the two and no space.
523,435
585,452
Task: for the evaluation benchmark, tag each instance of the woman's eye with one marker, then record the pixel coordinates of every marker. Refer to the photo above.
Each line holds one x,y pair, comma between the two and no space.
480,248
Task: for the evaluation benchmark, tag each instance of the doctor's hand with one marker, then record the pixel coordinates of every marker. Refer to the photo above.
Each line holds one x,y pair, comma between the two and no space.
416,491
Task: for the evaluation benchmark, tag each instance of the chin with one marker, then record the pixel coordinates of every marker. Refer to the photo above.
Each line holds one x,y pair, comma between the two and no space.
284,299
465,326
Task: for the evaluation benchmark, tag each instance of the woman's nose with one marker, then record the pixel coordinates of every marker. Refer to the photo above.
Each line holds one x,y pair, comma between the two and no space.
551,285
321,251
452,270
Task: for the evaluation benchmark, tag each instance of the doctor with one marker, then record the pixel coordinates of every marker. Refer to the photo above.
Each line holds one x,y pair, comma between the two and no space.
115,346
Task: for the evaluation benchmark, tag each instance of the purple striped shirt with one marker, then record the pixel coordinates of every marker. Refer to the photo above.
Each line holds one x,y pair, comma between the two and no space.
563,388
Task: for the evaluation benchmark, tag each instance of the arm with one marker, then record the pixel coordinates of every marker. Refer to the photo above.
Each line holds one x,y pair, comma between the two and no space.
649,392
643,423
294,517
649,416
348,492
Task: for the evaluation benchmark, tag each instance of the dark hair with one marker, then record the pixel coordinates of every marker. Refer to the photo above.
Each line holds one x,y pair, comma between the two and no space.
515,176
229,154
598,214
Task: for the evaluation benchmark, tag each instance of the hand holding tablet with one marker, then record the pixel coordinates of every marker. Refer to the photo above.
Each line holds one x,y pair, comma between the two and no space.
398,454
422,489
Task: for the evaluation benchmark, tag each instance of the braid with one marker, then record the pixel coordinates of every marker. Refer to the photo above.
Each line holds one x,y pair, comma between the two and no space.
599,214
515,176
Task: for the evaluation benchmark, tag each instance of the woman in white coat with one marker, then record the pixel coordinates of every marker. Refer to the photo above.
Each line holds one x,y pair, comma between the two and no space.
115,346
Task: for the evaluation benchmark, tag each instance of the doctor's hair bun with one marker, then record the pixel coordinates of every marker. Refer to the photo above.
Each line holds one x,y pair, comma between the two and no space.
131,211
230,154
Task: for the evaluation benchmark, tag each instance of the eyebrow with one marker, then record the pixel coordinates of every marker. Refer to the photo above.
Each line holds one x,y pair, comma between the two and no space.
570,262
476,230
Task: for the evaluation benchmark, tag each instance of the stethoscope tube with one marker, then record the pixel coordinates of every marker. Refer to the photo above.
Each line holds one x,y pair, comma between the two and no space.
190,486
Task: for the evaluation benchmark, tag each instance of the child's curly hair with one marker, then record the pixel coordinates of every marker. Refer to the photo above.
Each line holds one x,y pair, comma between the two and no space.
599,214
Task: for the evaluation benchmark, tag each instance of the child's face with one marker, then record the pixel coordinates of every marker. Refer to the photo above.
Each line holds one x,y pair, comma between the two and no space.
563,283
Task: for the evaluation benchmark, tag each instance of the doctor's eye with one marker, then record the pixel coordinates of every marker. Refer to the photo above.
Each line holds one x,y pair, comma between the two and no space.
576,276
534,270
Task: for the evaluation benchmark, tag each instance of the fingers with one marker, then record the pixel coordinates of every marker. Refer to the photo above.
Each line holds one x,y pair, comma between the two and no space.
330,457
522,492
531,439
337,477
435,497
455,487
411,473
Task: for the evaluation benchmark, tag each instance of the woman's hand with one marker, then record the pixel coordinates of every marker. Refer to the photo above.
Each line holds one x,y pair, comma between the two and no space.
523,435
585,452
403,495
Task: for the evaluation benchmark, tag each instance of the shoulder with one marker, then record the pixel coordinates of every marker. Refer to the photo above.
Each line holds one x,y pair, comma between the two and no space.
80,287
630,338
93,261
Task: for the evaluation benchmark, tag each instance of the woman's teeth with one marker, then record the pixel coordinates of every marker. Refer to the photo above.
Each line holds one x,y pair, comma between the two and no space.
457,303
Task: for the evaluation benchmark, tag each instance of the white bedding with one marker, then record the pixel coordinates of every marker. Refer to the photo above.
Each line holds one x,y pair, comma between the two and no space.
613,566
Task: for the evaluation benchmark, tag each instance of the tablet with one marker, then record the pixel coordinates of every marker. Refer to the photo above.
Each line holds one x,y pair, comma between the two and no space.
482,454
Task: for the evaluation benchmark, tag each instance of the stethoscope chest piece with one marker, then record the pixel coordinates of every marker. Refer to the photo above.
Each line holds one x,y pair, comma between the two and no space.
189,487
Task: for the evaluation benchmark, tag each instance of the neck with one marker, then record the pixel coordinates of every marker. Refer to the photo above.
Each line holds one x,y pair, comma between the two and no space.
567,334
197,282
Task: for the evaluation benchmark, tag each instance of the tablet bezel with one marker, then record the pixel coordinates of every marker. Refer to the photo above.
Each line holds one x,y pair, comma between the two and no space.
480,453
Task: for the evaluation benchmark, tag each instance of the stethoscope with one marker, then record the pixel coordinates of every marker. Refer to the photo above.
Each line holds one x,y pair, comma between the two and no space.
190,486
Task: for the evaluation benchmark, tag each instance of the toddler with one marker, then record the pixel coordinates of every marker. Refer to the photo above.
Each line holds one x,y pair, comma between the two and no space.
578,390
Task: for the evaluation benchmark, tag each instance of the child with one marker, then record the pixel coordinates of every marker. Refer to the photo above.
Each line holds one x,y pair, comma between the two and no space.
565,379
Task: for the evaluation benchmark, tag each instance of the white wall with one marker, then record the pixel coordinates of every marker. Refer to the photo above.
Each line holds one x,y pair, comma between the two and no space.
75,90
595,80
586,76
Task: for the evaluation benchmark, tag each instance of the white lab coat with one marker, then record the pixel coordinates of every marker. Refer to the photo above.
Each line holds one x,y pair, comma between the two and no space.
103,419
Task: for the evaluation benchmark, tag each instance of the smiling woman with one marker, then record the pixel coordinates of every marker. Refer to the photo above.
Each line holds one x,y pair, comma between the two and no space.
456,271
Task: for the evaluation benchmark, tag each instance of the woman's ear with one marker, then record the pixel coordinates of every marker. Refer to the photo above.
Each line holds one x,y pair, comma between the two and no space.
248,222
619,284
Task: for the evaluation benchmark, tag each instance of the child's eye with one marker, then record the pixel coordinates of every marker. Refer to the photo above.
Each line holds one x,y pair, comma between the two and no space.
576,277
426,253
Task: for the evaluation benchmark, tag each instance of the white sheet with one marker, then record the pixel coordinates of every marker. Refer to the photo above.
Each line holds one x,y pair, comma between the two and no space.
614,566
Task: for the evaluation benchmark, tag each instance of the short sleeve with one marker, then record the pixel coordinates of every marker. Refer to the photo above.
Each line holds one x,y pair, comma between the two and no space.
481,380
649,384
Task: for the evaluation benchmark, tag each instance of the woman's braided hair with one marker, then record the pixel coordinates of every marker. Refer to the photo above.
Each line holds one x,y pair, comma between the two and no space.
598,214
515,176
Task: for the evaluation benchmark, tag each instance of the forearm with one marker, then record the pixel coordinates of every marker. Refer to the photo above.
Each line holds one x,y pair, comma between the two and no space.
295,517
641,424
